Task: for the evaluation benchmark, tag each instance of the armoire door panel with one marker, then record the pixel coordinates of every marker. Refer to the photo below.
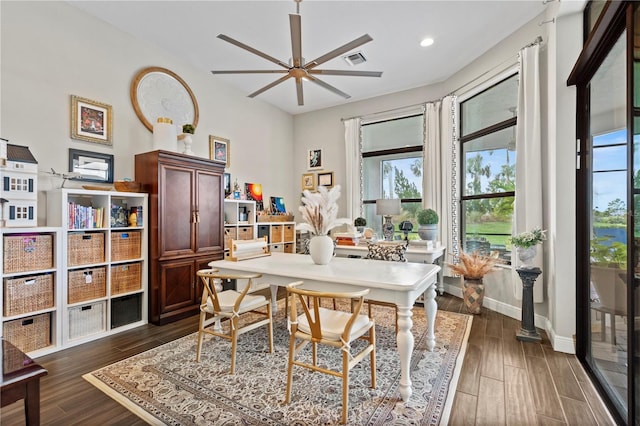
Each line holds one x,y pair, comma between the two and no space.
177,285
209,226
176,218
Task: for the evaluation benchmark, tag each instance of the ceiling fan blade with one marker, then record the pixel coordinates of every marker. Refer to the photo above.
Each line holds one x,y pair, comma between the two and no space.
296,39
339,51
252,50
269,86
347,72
250,72
329,87
299,91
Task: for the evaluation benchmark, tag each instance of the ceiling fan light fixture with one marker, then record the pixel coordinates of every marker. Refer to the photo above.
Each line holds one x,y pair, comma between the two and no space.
354,59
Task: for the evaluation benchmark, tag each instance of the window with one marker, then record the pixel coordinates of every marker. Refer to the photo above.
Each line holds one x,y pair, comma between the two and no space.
487,138
19,184
392,168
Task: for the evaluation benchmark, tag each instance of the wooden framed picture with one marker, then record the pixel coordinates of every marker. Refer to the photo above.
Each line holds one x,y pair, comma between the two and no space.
314,159
308,181
91,121
91,166
219,150
325,179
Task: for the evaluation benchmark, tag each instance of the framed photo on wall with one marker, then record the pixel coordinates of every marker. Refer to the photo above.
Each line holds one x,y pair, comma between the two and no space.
92,166
219,150
91,121
325,179
308,181
314,159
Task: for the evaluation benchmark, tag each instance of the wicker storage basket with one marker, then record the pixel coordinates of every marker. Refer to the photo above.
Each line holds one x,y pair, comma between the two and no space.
245,233
287,232
87,320
85,248
30,333
125,245
27,252
126,277
229,234
86,284
276,233
27,294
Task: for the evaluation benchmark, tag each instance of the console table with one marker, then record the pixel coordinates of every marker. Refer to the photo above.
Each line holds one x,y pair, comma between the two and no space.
21,380
393,282
414,254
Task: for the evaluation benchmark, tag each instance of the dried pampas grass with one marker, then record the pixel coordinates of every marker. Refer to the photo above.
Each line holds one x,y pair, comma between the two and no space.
473,266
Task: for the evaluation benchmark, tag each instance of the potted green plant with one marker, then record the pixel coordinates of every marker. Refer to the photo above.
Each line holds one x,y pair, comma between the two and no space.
526,243
187,130
473,268
360,223
428,224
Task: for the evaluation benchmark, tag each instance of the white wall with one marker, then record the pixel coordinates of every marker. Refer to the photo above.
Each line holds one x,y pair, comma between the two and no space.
324,129
50,50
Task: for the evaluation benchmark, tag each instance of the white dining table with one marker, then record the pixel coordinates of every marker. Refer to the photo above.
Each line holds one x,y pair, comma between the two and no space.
393,282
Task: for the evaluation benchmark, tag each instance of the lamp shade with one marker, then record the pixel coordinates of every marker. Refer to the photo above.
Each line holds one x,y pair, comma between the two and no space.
388,207
165,135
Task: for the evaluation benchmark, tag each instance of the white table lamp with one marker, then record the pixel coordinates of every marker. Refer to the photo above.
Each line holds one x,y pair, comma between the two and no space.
388,207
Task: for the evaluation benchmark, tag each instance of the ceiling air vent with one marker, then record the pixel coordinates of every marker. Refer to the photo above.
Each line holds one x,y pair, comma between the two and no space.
355,58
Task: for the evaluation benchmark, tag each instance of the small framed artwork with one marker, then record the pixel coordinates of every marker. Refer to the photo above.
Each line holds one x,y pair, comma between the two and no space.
254,192
308,181
314,159
91,121
226,182
91,166
219,150
277,205
325,179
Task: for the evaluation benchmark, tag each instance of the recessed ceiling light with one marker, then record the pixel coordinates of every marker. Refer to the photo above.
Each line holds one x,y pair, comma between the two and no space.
426,42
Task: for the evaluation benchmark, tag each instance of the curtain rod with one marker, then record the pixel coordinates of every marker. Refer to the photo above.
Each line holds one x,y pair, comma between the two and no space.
538,40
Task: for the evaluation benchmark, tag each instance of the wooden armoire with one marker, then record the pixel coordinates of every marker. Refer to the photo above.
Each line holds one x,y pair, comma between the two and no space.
185,228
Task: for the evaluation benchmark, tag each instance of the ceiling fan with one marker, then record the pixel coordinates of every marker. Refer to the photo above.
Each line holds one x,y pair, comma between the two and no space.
298,68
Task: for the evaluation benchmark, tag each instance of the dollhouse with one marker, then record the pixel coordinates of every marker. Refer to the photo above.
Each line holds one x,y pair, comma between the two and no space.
18,186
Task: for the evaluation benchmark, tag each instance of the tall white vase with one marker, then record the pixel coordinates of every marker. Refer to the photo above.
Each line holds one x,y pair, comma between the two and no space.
321,249
187,143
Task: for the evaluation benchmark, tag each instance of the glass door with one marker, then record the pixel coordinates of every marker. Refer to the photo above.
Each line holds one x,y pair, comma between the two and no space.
608,240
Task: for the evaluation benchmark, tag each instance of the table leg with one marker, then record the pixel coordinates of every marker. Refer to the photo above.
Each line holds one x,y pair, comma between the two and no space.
32,402
274,298
405,344
431,308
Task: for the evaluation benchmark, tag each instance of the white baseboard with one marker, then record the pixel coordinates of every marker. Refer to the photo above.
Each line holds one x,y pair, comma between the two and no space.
559,343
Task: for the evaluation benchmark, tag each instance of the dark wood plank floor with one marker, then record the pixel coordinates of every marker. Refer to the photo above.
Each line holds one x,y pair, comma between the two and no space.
503,381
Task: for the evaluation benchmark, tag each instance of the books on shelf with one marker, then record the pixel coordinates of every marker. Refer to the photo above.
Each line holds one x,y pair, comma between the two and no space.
347,238
85,217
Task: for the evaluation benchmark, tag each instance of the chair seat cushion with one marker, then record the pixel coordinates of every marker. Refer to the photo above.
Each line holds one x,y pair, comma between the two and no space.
334,322
227,300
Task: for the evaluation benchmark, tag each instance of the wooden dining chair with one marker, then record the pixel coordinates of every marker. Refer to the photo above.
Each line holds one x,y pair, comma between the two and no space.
325,326
217,305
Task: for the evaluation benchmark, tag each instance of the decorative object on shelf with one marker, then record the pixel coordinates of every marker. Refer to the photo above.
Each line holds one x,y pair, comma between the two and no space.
406,226
360,223
314,159
320,214
387,208
428,221
158,92
165,135
308,181
277,206
473,268
226,183
133,216
325,179
91,121
19,187
254,192
526,243
187,132
92,166
126,186
219,150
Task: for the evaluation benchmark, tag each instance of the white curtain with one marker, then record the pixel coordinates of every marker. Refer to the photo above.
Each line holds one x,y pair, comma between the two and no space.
353,170
438,179
528,205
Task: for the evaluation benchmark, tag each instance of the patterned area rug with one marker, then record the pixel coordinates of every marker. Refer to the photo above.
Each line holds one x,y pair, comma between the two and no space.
166,386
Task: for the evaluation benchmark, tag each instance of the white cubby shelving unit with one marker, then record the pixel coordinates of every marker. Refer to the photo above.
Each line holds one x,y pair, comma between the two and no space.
103,278
240,223
31,281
